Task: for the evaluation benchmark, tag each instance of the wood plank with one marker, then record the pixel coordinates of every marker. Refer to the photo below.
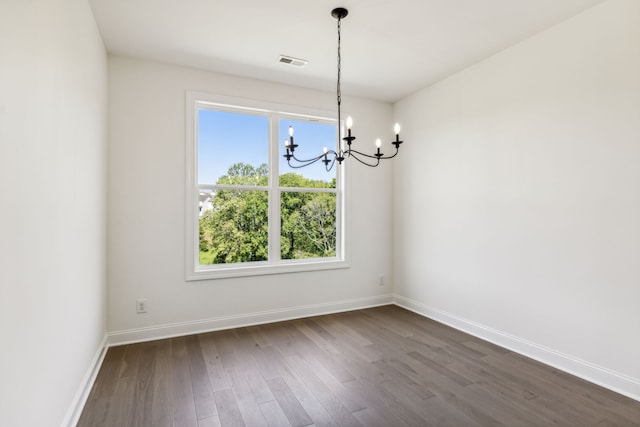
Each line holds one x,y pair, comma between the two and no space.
274,414
321,342
162,403
289,403
125,407
202,390
420,390
218,377
112,365
381,399
329,400
146,376
247,403
269,362
453,376
228,410
184,413
130,360
307,399
210,422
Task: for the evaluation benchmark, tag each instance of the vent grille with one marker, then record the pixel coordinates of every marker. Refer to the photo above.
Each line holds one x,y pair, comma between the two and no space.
294,62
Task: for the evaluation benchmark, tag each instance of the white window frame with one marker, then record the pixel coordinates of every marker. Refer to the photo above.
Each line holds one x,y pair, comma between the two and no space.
275,265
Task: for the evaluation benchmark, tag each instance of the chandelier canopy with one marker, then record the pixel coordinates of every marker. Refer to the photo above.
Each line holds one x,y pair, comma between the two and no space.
345,144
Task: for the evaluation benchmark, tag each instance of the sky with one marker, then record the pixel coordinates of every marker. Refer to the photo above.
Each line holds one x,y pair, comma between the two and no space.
225,138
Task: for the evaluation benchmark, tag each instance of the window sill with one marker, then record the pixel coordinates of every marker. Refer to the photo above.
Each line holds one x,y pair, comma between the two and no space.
223,271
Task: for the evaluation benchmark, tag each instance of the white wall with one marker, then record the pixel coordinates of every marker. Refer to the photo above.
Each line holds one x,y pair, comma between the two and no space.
53,93
146,219
518,198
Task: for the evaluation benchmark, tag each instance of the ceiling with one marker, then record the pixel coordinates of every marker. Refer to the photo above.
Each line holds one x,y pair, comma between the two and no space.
390,48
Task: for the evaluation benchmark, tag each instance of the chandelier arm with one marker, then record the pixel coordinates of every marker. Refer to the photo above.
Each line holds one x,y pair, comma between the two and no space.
329,159
314,159
371,165
365,154
391,156
302,164
360,153
310,161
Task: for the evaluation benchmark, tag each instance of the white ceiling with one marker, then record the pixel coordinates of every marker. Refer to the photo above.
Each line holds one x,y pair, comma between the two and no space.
390,48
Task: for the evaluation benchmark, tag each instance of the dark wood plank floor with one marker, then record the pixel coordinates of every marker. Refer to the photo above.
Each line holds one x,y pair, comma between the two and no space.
377,367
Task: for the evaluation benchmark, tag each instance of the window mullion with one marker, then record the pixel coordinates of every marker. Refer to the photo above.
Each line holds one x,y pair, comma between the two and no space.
274,190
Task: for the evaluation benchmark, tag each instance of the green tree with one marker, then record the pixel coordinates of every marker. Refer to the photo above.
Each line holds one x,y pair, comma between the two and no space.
308,226
236,228
307,219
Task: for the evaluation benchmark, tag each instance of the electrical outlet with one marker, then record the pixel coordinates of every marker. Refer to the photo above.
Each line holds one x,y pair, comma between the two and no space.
381,282
141,306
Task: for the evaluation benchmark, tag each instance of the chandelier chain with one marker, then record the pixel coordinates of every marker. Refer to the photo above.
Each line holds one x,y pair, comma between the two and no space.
339,92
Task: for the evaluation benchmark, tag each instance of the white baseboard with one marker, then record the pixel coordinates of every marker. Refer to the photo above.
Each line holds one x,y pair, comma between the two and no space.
77,404
237,321
615,381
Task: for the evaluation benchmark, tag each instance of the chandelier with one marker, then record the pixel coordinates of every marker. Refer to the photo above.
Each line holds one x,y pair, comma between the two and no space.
346,147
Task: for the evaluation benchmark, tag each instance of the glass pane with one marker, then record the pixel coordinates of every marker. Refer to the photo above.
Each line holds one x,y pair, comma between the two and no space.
232,148
308,225
311,139
233,226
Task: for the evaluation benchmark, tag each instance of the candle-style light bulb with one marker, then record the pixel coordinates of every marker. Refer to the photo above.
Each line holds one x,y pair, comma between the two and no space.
286,143
396,128
290,130
378,143
326,160
349,122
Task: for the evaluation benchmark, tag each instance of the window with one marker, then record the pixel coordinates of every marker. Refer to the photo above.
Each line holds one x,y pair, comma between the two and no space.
248,212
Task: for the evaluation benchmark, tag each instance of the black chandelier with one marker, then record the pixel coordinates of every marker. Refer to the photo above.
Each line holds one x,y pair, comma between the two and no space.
329,157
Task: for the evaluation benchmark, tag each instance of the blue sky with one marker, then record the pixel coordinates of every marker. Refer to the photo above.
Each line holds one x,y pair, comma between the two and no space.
226,138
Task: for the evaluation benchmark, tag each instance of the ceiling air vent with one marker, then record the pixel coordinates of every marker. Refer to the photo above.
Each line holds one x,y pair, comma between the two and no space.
294,62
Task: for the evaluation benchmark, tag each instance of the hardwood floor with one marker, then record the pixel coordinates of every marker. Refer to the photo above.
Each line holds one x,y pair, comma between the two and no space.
377,367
